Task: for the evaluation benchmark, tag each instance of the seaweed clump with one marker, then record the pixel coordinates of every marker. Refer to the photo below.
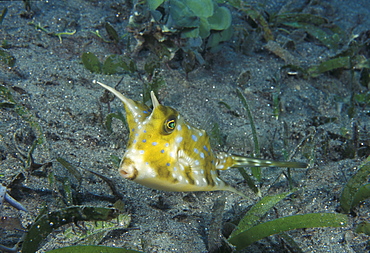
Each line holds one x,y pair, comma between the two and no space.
180,29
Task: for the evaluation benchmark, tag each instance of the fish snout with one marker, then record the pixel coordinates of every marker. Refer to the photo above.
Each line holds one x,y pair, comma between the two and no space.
127,169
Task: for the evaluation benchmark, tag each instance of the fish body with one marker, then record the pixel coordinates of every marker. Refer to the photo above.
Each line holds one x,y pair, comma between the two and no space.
164,152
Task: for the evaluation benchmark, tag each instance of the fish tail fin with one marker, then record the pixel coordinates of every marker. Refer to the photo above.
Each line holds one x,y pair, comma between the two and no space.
242,161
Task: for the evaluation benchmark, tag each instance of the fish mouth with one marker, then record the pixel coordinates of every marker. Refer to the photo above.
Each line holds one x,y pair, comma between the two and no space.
127,169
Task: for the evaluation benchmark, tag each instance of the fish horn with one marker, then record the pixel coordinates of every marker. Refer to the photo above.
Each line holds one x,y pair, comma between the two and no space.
133,108
154,99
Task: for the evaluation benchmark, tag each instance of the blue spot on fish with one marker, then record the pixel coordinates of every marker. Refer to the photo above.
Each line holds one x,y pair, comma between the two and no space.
154,143
194,137
162,151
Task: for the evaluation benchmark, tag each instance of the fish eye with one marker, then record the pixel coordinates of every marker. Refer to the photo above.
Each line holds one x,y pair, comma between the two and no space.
169,125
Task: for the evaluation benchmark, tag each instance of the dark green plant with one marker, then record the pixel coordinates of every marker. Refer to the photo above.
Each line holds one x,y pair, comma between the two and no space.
363,227
53,34
330,35
255,16
71,169
318,27
311,220
189,27
357,189
251,228
116,161
27,5
256,171
3,14
91,62
109,118
93,232
9,102
47,222
6,58
114,64
346,49
112,34
156,82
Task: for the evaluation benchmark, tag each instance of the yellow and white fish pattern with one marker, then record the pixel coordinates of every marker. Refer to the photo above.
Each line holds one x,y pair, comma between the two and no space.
164,152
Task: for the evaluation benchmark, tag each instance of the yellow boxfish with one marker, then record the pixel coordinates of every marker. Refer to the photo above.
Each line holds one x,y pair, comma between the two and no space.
164,152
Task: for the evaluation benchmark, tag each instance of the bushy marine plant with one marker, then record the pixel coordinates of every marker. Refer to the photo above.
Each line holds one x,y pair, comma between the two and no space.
191,26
